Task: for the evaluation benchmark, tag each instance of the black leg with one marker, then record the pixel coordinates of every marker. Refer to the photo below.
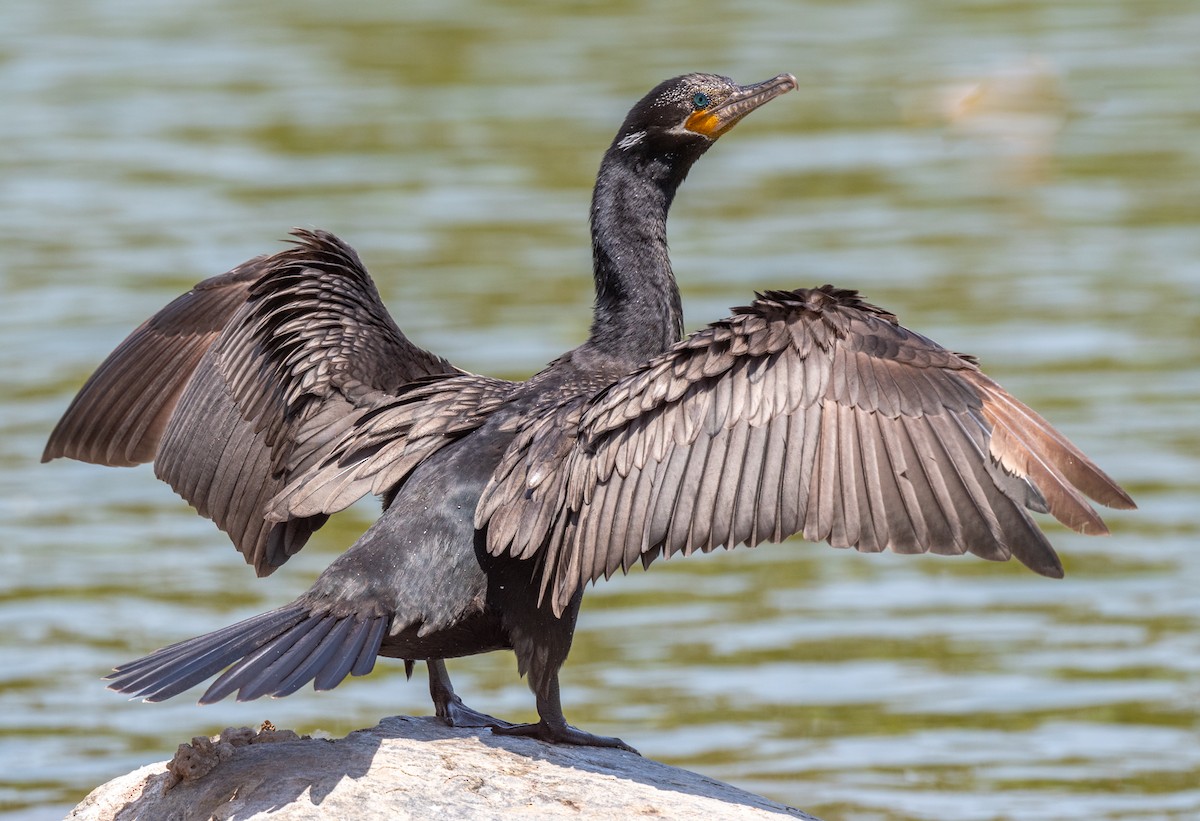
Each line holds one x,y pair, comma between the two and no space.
450,707
553,725
541,642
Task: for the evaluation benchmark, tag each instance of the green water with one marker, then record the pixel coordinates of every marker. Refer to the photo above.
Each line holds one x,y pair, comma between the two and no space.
1017,180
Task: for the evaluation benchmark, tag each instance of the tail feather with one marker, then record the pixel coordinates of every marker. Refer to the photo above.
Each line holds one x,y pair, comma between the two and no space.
274,654
173,669
254,672
370,648
282,671
332,674
330,651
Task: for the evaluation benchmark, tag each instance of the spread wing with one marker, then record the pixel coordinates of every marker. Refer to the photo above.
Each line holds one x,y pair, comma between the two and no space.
808,412
244,382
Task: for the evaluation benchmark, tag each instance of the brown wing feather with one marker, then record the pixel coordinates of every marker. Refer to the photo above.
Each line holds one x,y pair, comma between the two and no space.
808,412
119,414
245,382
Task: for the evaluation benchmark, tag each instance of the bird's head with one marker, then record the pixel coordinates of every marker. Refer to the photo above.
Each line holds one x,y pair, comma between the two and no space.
685,115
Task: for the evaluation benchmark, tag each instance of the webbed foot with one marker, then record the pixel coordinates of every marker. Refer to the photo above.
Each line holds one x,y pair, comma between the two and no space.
456,714
564,734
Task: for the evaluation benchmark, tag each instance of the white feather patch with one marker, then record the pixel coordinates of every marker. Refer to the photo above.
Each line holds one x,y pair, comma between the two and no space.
631,140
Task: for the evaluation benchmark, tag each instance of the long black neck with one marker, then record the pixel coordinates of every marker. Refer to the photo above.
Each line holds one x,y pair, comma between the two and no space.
637,312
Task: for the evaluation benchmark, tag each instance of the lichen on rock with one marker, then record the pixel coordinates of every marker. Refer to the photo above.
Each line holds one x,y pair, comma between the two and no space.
198,759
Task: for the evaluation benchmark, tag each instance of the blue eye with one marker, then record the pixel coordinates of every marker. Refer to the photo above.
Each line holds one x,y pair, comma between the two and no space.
701,101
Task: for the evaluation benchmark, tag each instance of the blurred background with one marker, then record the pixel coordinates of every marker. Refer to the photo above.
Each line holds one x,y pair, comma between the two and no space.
1017,180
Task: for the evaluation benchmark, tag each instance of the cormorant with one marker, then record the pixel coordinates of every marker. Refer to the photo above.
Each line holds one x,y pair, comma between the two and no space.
279,393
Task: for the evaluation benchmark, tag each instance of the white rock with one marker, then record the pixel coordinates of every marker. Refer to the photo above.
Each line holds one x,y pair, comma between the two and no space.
413,768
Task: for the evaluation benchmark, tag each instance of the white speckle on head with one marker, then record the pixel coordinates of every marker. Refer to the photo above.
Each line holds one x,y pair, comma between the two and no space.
631,140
